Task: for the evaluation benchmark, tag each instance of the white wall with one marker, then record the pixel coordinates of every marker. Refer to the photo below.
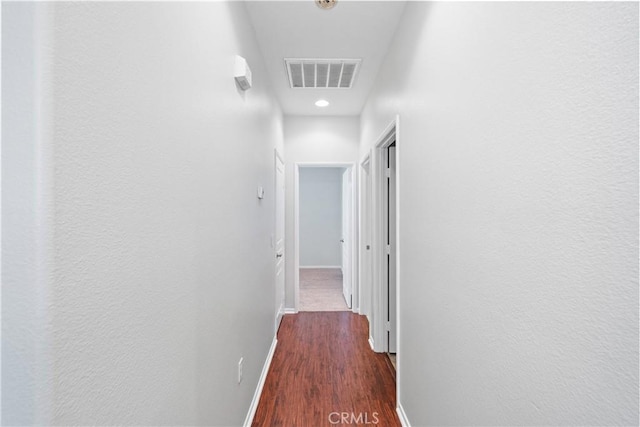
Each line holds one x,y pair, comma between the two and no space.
26,200
518,159
313,139
152,156
320,217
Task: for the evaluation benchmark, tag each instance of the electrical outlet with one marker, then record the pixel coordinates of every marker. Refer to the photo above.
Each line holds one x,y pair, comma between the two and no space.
240,370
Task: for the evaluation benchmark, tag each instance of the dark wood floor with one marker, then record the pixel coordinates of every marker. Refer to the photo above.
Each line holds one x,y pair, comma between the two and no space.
324,373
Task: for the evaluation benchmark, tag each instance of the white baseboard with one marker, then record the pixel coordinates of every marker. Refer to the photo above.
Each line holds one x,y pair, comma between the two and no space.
371,344
320,266
290,311
263,377
279,317
403,417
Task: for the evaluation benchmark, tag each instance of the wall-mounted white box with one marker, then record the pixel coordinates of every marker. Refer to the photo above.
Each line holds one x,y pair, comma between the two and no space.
242,73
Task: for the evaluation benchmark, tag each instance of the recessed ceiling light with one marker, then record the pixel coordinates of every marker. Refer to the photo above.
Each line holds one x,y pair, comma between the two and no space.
322,103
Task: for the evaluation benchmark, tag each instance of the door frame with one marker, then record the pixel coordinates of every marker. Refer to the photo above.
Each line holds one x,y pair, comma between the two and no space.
354,231
378,217
378,257
392,233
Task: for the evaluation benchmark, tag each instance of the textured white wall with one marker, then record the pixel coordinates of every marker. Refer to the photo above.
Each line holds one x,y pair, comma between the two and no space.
313,139
519,211
320,216
155,156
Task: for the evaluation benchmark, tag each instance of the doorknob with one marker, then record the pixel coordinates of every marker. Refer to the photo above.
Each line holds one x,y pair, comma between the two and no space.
341,240
279,255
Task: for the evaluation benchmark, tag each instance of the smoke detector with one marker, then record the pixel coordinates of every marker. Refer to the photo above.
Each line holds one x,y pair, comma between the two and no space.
326,4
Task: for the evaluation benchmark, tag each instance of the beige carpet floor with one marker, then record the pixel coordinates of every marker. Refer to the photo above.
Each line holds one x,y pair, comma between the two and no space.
321,290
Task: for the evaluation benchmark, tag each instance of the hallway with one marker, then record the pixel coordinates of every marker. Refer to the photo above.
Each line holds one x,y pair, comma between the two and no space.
152,159
322,370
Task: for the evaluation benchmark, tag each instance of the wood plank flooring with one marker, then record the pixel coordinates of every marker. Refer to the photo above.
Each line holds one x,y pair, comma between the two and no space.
324,373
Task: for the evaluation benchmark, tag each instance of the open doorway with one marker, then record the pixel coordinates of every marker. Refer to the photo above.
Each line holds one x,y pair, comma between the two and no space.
325,236
380,227
390,252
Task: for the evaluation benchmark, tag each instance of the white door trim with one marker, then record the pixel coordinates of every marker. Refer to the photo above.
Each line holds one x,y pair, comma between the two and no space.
378,218
386,138
296,229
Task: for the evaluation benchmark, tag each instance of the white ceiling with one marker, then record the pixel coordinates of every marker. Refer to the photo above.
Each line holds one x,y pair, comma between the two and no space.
299,29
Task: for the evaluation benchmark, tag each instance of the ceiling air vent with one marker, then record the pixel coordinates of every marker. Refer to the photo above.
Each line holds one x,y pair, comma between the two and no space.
322,73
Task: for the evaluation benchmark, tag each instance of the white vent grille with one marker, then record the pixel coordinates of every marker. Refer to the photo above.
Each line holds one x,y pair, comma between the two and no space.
322,73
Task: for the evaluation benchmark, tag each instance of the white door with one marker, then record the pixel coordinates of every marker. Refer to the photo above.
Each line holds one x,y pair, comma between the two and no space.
347,212
279,238
365,243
